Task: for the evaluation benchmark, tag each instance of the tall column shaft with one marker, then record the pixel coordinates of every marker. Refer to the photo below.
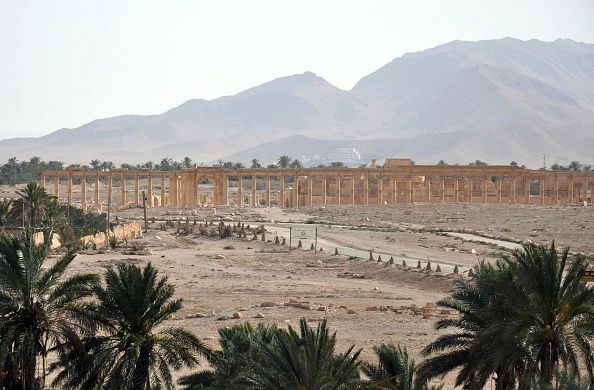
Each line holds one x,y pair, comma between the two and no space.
240,190
267,191
310,190
96,192
57,186
149,190
137,190
253,200
282,190
338,189
83,192
123,190
324,189
366,184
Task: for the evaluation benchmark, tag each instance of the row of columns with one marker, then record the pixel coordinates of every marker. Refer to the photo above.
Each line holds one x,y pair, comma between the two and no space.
180,189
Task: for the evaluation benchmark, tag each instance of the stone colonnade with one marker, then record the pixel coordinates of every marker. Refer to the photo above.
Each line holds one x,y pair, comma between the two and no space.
318,186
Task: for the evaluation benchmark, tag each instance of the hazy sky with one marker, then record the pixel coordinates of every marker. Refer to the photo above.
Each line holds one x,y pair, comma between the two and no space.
64,63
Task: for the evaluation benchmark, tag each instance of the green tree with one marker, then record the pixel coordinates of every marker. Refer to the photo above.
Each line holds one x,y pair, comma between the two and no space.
295,164
284,161
39,307
574,166
95,164
35,199
256,163
531,311
187,163
241,349
394,369
306,360
5,207
238,165
554,311
133,351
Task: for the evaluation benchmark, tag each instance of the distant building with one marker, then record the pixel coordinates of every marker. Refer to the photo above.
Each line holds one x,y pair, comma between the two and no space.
346,154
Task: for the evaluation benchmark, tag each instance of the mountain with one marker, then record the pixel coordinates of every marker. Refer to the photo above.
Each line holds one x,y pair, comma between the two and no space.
494,100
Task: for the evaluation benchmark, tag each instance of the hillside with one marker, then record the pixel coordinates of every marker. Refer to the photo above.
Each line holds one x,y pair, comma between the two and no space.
496,100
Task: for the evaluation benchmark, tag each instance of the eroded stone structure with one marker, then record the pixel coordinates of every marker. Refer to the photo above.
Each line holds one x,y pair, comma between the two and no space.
397,181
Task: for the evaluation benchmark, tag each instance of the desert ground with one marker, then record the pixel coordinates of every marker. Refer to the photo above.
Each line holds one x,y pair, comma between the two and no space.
367,302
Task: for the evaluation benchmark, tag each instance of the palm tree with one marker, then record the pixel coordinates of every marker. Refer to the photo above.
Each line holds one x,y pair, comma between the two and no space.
531,311
395,370
95,164
554,311
477,305
241,349
5,206
256,163
39,308
35,199
133,352
306,360
284,161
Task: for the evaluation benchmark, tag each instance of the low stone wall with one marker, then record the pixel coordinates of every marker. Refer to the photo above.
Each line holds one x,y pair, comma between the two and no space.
38,240
121,232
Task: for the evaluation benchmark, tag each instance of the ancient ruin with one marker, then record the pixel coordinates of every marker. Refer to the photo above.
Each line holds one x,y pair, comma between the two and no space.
397,181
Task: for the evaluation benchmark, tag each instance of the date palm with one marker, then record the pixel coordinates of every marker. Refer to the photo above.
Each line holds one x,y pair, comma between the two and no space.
307,361
463,349
39,307
394,370
553,311
132,351
34,199
5,206
241,349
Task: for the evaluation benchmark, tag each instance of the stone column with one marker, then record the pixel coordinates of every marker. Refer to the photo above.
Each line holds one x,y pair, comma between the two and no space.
442,189
163,193
456,188
410,190
253,200
240,190
556,188
470,183
57,186
428,182
324,189
527,189
69,188
485,189
281,179
571,187
149,190
122,190
83,192
267,190
137,190
42,181
366,189
542,182
395,189
109,190
380,190
514,189
585,188
96,194
173,195
499,188
352,189
296,191
310,190
338,188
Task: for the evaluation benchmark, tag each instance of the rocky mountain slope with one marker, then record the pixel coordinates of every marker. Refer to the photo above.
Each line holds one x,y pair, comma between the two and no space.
497,100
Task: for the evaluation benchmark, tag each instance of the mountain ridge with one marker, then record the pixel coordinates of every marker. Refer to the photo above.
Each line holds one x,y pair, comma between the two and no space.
541,89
